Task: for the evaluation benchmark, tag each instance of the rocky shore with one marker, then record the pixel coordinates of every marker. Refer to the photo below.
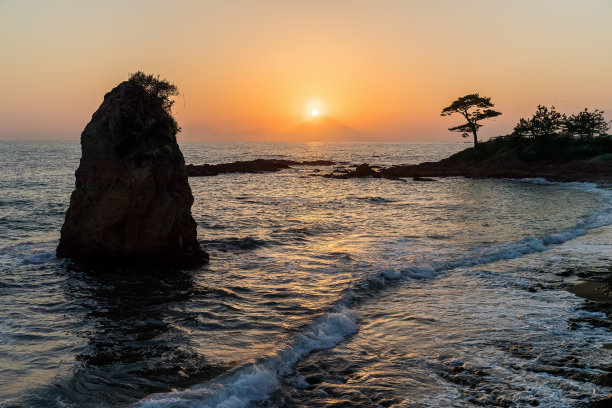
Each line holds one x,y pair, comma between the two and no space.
554,171
595,286
251,166
568,171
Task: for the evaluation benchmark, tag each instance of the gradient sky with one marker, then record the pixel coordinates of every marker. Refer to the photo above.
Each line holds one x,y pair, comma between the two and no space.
250,70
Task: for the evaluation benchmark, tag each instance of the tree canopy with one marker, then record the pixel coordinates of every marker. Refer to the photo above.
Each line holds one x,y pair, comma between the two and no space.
474,108
157,92
544,122
586,125
548,123
156,88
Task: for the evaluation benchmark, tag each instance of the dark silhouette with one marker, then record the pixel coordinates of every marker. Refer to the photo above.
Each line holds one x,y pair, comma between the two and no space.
159,90
474,108
132,202
545,122
550,124
587,125
487,164
251,166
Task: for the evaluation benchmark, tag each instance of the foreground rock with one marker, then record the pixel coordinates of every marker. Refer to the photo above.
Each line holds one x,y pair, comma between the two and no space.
132,202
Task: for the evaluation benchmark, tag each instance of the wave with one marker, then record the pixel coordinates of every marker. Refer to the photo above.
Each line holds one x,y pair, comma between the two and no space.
375,199
228,244
29,253
257,380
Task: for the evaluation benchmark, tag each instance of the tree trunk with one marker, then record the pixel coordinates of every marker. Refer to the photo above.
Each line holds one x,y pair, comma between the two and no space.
475,139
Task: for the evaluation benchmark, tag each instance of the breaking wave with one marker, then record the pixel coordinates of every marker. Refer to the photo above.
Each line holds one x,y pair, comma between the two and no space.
257,380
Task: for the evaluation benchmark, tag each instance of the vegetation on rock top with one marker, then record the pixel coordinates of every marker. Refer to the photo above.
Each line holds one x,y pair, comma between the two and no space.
134,122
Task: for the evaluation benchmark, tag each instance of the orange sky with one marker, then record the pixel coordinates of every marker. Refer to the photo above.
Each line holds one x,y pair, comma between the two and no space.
248,69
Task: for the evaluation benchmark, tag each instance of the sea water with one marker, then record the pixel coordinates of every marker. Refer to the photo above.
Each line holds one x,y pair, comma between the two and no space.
320,292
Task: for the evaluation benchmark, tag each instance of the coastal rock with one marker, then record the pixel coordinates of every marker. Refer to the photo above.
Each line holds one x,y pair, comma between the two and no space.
132,201
452,167
251,166
363,170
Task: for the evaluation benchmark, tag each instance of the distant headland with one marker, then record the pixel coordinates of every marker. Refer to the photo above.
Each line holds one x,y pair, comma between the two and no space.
550,145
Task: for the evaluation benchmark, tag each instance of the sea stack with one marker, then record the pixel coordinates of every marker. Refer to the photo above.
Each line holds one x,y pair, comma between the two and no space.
132,201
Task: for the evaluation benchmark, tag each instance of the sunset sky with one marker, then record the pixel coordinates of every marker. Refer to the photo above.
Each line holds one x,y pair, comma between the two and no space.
255,70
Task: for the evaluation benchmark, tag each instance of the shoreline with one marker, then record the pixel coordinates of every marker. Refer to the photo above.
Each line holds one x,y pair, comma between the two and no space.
577,170
568,171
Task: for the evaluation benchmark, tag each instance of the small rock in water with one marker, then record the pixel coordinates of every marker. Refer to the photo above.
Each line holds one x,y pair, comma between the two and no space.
363,170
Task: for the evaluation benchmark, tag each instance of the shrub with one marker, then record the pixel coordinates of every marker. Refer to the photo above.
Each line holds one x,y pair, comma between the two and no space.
156,88
586,125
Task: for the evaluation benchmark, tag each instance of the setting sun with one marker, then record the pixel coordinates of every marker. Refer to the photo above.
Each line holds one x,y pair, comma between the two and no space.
314,107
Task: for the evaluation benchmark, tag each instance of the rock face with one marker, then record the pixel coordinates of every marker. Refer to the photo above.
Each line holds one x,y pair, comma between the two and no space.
132,202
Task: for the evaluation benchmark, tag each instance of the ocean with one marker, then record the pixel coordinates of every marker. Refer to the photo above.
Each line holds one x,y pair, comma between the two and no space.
319,292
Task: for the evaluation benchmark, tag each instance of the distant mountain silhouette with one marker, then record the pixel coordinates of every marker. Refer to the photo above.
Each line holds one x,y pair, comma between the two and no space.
208,134
320,129
325,129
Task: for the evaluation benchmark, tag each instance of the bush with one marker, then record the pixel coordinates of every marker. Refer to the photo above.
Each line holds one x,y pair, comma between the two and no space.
550,124
159,92
544,122
587,124
156,88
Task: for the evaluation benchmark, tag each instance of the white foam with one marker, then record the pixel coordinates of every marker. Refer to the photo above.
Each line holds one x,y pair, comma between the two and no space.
29,252
419,272
535,180
530,245
40,258
256,381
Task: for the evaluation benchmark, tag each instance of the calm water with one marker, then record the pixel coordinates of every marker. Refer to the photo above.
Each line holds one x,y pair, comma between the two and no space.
319,292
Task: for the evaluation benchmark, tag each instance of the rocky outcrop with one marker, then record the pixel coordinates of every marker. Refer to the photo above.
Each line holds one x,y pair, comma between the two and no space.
132,201
570,171
251,166
364,170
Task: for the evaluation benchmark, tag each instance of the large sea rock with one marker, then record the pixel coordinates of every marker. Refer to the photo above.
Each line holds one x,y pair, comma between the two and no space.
132,202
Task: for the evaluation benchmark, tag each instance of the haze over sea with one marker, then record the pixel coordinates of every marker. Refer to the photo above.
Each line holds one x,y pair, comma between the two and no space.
319,292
